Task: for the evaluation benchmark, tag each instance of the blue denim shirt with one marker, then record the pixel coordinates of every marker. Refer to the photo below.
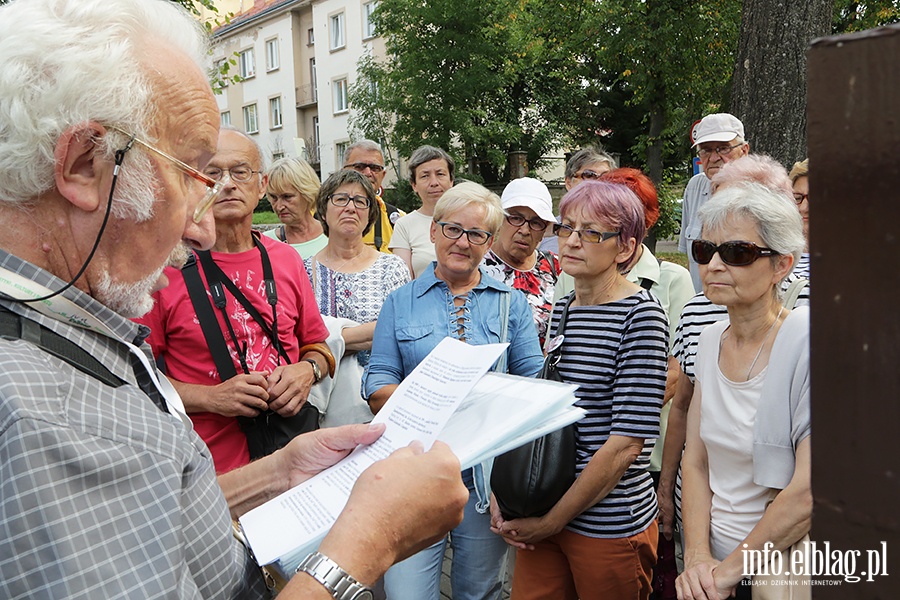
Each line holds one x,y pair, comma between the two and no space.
417,316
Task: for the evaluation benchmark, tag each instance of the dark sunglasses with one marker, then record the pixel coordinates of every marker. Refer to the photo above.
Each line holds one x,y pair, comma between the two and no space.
736,254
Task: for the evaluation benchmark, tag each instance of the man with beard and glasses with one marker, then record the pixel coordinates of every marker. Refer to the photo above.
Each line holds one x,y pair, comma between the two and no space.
106,119
275,354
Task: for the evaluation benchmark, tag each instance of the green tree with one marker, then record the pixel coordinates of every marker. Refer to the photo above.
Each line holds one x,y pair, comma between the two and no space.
465,75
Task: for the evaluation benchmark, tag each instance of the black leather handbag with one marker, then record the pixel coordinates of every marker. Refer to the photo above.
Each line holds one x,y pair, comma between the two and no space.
529,480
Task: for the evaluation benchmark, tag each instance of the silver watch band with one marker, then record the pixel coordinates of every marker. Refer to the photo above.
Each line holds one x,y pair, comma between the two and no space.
337,581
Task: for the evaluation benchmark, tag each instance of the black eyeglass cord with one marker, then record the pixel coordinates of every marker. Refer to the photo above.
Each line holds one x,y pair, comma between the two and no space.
120,158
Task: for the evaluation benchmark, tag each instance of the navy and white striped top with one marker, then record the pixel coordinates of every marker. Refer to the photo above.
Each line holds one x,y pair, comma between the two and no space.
616,354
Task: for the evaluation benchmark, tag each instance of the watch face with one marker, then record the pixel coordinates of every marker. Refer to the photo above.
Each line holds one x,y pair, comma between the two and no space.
363,595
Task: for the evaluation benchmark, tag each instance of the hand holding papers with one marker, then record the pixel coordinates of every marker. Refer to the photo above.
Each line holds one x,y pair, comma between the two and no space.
446,397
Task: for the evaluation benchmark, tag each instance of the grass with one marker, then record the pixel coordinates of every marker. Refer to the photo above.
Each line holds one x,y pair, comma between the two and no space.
266,217
675,257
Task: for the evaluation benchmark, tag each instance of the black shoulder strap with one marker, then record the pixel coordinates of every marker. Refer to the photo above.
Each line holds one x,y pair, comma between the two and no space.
14,326
211,330
379,238
215,275
549,257
645,283
565,314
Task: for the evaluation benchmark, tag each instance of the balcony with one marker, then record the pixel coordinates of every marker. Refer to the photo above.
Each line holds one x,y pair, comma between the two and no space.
306,95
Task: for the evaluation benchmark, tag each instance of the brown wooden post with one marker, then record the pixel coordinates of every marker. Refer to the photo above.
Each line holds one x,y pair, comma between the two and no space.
854,151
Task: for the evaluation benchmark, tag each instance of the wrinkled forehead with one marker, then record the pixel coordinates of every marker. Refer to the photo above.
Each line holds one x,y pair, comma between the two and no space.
368,156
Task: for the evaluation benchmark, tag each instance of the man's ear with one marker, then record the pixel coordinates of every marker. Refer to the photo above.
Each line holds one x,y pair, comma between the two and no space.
78,173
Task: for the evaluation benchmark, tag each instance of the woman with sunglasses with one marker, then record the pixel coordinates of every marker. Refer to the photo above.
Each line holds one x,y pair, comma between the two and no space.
698,314
747,458
454,298
599,540
514,258
350,280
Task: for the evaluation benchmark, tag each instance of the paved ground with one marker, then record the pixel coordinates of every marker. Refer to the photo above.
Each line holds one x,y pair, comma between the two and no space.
445,579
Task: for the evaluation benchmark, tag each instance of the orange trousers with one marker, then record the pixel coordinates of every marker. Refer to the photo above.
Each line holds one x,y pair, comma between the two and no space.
570,566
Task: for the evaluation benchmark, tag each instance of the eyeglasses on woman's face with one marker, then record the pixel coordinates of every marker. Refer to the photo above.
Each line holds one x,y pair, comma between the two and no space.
587,235
452,231
799,198
343,200
735,253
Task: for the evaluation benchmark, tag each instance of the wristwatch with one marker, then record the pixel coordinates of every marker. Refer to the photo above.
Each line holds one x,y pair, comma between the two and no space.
337,581
317,372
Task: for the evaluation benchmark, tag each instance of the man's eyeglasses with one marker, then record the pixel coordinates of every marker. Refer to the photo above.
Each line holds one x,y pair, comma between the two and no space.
736,254
586,235
361,166
213,186
533,224
240,174
799,198
343,200
720,150
452,231
588,174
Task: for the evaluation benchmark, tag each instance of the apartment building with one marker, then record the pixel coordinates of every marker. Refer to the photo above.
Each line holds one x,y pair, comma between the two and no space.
296,60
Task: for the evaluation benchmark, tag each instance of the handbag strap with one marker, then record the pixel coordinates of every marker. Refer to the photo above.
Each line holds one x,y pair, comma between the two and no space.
501,365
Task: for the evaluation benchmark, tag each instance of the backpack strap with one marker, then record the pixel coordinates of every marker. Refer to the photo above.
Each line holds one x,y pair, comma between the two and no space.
792,294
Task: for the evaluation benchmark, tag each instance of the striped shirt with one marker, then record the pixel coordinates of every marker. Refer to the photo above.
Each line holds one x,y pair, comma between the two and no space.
616,354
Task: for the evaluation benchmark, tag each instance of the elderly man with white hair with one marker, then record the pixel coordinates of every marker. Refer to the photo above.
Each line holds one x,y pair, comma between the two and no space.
106,120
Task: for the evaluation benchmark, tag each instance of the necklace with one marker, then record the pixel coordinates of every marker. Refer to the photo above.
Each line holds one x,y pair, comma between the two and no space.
765,339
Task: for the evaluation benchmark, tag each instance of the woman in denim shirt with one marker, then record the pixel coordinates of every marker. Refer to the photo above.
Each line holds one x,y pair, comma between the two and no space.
453,298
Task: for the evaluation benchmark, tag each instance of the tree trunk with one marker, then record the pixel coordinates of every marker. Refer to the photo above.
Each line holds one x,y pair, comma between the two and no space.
769,87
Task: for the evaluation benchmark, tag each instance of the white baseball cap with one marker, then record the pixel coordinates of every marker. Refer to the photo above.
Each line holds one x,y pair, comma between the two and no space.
718,127
531,193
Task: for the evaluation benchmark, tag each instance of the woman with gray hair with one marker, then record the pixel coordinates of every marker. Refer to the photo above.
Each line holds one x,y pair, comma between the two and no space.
454,298
747,457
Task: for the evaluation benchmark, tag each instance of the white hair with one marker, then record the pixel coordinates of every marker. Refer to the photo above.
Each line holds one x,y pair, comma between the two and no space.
777,219
67,62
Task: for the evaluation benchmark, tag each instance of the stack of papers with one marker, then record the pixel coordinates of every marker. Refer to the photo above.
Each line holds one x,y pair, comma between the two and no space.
448,397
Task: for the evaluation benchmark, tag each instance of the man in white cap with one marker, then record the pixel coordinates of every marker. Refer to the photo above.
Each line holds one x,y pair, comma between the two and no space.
719,139
514,259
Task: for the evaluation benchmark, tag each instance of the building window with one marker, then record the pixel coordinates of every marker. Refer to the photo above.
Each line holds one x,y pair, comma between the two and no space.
340,148
248,64
225,118
341,102
313,79
368,25
277,155
310,36
250,123
272,55
337,31
275,112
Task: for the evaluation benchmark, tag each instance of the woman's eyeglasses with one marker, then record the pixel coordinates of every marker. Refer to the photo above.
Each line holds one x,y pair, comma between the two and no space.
343,200
586,235
799,198
452,231
533,224
736,254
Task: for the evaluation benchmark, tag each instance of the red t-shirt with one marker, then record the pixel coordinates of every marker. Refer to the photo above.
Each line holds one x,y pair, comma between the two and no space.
177,337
